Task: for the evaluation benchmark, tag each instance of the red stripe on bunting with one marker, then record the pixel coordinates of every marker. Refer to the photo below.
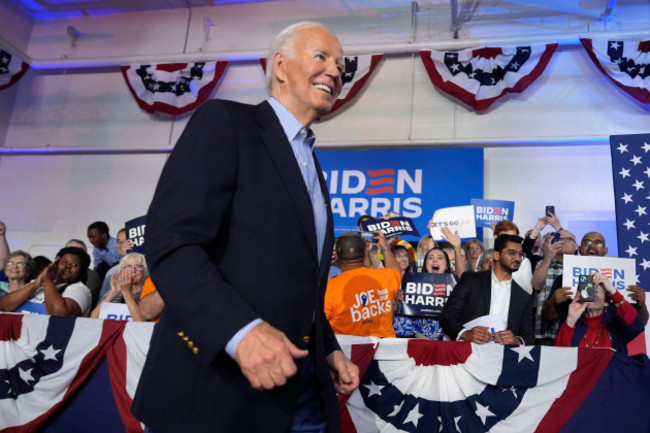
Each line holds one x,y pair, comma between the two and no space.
162,107
17,76
358,85
362,355
468,97
10,326
638,93
591,364
111,330
117,371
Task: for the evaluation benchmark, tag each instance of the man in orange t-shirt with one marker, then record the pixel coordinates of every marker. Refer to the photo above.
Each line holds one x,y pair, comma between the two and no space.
151,304
360,300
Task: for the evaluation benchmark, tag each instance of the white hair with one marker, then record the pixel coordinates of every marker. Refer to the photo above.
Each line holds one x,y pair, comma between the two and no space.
284,44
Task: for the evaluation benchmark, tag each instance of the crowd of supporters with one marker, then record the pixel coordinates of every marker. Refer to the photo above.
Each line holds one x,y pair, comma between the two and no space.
554,314
67,285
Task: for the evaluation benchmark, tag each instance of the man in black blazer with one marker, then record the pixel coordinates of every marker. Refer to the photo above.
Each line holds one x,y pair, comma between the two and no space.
491,292
243,343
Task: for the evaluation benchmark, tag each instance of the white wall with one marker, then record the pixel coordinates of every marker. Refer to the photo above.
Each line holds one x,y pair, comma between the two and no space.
47,199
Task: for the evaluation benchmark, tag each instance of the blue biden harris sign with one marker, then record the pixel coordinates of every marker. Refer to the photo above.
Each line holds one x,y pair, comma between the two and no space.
412,182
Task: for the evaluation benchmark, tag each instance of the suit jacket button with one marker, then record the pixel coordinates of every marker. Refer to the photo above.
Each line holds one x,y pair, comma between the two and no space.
180,334
306,339
186,338
195,350
190,344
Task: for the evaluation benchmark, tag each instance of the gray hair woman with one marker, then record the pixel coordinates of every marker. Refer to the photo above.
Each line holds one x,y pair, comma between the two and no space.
126,285
17,266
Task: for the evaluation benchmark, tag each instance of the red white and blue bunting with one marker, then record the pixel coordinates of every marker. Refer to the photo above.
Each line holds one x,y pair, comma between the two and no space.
11,69
626,63
172,88
357,71
481,76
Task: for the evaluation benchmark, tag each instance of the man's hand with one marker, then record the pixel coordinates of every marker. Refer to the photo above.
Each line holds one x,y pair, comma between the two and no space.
265,356
478,335
505,337
637,293
3,228
550,249
345,373
554,221
562,294
540,224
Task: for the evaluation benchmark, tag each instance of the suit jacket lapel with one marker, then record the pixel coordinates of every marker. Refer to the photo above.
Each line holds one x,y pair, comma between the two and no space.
326,256
487,293
279,148
513,308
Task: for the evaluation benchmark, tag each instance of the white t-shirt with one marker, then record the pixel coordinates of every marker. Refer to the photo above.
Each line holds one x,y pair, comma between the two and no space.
78,292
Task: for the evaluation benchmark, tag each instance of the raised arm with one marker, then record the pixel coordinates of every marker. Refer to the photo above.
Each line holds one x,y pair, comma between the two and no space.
4,246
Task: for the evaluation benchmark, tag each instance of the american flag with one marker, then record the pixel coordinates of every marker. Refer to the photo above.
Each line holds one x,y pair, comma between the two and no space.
478,77
631,171
626,63
411,385
11,69
46,360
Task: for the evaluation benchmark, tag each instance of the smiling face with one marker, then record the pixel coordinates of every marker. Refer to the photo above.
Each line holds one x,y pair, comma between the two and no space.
16,268
436,262
309,82
593,244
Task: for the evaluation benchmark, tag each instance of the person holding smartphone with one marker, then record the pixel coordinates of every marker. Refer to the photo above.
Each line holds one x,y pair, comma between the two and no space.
608,321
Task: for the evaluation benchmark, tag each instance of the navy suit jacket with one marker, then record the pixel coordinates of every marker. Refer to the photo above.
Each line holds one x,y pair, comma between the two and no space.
470,299
231,237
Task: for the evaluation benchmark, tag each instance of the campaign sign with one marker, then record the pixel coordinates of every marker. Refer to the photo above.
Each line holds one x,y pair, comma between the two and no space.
31,307
621,271
487,212
392,227
114,311
135,233
411,182
424,294
458,219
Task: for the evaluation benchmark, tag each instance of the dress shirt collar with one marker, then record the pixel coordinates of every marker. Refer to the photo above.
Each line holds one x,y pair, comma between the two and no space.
291,125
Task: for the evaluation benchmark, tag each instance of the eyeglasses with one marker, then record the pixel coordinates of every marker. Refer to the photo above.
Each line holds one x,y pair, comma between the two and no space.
401,257
19,265
66,263
515,253
590,242
567,239
135,267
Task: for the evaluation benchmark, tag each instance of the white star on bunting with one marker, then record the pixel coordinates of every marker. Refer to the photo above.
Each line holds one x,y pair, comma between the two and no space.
483,412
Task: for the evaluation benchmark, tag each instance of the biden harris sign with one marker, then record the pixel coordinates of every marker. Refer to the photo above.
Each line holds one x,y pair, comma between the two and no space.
412,182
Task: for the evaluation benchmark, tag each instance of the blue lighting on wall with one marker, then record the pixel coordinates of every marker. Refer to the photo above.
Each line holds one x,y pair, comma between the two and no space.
71,8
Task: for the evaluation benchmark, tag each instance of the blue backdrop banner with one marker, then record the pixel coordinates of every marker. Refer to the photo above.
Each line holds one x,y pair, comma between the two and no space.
411,182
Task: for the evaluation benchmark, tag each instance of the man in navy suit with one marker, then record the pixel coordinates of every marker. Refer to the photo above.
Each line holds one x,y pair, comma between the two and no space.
243,343
491,292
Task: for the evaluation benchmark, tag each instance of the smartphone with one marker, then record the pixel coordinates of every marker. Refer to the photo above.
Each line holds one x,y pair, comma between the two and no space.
550,210
368,237
555,237
586,288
